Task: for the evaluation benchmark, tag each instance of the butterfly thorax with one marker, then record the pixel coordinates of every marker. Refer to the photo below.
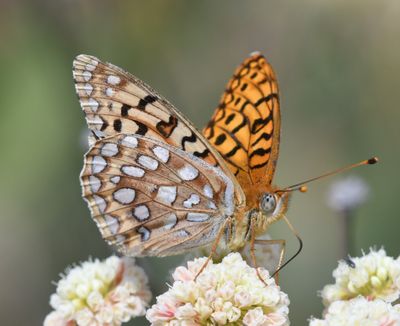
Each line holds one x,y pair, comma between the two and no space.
264,208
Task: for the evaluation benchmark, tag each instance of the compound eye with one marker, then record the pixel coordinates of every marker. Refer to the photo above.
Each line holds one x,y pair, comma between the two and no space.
268,203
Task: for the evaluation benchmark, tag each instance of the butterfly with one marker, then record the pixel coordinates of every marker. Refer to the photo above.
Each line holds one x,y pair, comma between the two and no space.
156,186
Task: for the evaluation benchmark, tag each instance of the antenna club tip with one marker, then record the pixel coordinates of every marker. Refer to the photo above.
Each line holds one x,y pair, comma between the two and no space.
303,189
373,160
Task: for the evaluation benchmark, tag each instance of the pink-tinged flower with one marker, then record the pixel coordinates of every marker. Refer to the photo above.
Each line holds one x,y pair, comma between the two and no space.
257,317
360,311
56,318
224,293
165,309
95,293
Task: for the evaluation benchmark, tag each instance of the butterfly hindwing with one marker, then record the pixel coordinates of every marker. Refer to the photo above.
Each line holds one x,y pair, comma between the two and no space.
150,198
246,125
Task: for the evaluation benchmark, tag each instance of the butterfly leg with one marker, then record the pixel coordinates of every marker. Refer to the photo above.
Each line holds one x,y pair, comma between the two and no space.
215,245
252,252
282,244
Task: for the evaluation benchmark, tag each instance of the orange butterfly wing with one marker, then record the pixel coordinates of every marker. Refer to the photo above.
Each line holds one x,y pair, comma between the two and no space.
245,128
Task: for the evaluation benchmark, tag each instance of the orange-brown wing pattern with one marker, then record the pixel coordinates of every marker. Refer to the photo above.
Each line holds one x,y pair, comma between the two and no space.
245,127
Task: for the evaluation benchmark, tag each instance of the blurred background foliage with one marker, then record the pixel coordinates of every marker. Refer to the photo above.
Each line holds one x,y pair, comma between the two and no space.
338,67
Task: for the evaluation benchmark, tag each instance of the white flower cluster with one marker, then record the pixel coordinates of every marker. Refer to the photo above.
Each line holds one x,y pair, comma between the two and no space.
360,311
108,292
226,293
365,289
374,275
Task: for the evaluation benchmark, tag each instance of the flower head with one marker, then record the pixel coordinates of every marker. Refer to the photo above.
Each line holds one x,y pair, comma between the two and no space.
107,292
373,275
360,311
347,194
225,293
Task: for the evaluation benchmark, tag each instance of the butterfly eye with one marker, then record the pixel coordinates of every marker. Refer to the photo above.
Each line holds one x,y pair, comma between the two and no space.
268,203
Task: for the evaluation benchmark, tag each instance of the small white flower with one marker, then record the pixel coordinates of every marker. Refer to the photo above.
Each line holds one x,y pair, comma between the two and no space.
347,194
256,317
108,292
360,311
225,293
374,275
56,318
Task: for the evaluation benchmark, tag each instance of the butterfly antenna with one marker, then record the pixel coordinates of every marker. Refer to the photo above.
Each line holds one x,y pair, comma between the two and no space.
298,250
300,186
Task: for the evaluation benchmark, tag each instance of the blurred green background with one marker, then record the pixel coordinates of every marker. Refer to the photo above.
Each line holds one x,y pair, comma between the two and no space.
338,67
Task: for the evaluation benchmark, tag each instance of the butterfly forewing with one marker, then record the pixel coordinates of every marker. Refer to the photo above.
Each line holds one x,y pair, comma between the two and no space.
245,126
115,101
150,198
